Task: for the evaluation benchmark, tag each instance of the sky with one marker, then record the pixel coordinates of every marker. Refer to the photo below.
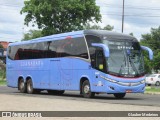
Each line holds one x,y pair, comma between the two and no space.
140,16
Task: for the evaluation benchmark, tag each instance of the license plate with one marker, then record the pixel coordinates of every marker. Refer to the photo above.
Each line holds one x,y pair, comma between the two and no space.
128,91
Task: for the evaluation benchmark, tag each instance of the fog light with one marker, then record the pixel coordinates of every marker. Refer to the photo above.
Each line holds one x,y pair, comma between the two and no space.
112,88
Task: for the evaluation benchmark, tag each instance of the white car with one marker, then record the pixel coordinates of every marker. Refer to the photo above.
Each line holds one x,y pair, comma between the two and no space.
153,79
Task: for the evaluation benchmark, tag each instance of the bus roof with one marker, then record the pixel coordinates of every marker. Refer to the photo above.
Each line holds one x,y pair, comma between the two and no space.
108,34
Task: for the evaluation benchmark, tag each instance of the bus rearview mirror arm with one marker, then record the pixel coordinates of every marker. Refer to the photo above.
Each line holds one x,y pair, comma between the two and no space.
105,48
149,51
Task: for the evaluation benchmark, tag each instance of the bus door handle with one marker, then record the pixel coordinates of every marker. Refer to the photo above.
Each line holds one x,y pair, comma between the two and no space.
54,60
10,67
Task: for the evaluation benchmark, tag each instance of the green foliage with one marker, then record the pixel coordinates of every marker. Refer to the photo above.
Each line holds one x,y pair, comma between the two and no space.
1,46
131,34
58,16
2,82
108,27
152,89
32,34
152,40
2,74
97,27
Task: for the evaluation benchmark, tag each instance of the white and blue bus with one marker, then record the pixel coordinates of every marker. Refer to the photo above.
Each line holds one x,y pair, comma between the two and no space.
89,61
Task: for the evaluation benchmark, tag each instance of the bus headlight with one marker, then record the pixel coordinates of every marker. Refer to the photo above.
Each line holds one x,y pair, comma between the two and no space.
143,81
108,79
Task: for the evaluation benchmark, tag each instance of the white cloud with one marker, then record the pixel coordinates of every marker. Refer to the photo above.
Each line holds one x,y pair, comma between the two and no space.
12,23
112,11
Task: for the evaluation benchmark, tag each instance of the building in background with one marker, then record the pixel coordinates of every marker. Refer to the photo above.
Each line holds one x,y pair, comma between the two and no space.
3,51
4,44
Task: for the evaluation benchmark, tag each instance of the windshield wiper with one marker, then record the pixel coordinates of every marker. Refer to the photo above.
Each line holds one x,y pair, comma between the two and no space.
132,65
124,62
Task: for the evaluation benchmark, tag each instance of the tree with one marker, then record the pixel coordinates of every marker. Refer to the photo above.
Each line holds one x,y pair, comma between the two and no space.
131,34
32,34
108,27
2,65
38,33
152,40
1,46
89,26
58,16
97,27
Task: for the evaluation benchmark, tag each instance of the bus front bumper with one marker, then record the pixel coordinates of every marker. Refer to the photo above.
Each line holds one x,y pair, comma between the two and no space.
117,88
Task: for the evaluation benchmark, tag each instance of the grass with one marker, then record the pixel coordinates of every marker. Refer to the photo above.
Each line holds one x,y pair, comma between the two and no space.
2,79
153,89
2,82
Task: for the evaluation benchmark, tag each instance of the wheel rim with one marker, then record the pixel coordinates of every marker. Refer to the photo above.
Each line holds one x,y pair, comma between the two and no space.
21,85
29,86
158,83
86,89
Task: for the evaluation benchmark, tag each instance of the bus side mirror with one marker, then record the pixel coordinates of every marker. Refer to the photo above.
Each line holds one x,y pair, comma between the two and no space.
149,51
105,48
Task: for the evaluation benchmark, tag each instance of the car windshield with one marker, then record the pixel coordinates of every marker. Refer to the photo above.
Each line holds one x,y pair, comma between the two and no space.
152,75
125,58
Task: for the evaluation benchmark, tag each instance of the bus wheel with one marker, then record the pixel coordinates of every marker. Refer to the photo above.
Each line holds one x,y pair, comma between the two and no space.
86,90
22,86
30,89
119,95
157,83
55,92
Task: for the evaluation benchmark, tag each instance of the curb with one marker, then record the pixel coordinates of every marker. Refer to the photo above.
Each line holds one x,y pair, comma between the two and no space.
152,93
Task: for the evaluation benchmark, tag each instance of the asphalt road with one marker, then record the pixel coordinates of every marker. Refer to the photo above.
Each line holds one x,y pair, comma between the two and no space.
130,99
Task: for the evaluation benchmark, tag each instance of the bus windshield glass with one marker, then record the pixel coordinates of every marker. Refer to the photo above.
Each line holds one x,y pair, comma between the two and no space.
125,58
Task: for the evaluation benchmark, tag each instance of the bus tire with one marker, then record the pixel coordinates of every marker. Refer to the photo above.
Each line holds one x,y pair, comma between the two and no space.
86,90
119,95
157,83
22,86
55,92
30,89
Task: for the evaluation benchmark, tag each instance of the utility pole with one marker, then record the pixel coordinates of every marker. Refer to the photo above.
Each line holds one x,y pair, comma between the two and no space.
123,17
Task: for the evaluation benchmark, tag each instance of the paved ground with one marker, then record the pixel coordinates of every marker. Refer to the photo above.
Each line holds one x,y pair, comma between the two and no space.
130,99
12,100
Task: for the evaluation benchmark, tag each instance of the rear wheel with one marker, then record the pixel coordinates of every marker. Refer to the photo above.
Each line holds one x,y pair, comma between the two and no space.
119,95
86,90
157,83
22,86
30,89
56,92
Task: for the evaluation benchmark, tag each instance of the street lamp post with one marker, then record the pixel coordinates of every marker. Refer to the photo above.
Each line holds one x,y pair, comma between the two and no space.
123,17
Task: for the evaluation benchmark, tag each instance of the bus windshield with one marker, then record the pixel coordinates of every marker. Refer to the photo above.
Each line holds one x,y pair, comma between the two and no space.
125,58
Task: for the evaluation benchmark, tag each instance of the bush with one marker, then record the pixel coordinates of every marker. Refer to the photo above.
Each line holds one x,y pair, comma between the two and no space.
2,75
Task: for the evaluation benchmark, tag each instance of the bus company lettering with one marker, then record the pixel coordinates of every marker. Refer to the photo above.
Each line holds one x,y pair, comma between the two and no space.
34,63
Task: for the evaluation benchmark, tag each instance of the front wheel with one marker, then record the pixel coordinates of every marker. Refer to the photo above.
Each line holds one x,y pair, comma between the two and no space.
119,95
86,90
157,83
